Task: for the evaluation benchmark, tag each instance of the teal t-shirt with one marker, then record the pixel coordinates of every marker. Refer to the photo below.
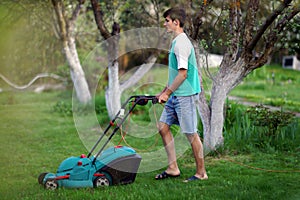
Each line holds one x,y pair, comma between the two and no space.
182,56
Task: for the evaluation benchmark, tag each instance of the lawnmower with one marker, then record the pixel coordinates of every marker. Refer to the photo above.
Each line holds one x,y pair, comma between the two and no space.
109,166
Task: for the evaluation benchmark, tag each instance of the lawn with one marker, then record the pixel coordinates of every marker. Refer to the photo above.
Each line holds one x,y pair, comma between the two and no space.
35,139
271,85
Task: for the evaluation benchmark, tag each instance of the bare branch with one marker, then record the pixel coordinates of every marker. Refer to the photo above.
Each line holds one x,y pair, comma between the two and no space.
197,22
250,21
250,46
76,11
99,19
142,70
235,25
273,36
59,10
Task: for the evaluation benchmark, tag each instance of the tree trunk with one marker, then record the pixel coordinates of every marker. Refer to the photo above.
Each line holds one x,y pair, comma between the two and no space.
215,137
230,75
113,93
67,35
212,115
76,72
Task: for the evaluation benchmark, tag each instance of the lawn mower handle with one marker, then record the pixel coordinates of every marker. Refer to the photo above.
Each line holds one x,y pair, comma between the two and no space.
137,100
144,99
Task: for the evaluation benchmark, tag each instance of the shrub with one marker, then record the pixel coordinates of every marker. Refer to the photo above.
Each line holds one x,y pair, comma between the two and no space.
274,128
64,108
259,128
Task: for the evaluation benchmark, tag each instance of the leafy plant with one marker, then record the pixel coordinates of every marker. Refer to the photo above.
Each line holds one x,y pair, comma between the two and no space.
272,120
63,107
259,128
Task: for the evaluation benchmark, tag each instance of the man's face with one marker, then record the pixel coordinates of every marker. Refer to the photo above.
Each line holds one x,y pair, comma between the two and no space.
169,25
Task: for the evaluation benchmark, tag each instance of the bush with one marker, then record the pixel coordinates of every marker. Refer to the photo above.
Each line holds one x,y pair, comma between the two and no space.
64,108
259,128
274,128
67,108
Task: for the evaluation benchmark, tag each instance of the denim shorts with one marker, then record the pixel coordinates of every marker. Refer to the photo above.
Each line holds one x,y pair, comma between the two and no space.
181,111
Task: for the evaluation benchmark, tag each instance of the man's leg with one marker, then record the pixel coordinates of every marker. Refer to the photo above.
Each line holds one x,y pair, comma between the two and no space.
169,145
197,148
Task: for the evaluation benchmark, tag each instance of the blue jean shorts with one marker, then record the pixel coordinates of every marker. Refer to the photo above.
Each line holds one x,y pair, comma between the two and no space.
181,111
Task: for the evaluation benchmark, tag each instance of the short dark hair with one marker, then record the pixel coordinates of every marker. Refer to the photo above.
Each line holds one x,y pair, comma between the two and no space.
176,13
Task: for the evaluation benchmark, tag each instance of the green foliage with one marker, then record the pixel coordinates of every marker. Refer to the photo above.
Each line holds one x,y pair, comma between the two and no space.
276,127
67,108
64,71
258,128
27,44
64,108
262,116
291,39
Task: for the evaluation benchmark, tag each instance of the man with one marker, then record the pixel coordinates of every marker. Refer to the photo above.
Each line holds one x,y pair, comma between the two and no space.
181,97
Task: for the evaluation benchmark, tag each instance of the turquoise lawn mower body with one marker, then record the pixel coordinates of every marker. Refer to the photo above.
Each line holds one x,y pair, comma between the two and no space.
111,166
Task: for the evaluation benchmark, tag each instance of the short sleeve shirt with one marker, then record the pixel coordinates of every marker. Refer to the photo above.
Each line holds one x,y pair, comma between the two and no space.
182,56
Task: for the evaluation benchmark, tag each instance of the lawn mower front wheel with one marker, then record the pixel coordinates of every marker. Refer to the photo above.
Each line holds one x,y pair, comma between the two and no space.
51,184
101,181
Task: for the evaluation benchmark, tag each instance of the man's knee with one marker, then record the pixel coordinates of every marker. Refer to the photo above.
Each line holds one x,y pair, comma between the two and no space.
192,137
163,128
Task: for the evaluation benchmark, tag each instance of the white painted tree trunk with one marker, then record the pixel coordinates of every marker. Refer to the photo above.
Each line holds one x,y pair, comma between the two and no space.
115,89
113,93
215,137
66,31
212,114
229,76
76,71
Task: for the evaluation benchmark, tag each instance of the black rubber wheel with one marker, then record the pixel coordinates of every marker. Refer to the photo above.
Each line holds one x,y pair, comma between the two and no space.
101,181
51,184
41,177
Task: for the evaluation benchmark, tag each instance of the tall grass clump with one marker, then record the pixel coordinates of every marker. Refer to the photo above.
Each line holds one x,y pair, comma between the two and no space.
258,128
237,127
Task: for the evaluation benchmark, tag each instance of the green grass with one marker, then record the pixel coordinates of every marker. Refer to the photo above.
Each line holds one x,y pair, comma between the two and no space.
282,91
35,139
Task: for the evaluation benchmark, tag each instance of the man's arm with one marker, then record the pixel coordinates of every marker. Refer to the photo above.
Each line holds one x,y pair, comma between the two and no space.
181,76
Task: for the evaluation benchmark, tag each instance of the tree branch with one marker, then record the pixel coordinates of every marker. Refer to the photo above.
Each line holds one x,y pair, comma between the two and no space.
142,70
272,37
235,25
197,22
99,19
250,21
250,46
76,11
59,7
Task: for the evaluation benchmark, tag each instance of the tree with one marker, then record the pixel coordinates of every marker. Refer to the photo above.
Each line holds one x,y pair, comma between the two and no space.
66,31
249,43
115,88
245,37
